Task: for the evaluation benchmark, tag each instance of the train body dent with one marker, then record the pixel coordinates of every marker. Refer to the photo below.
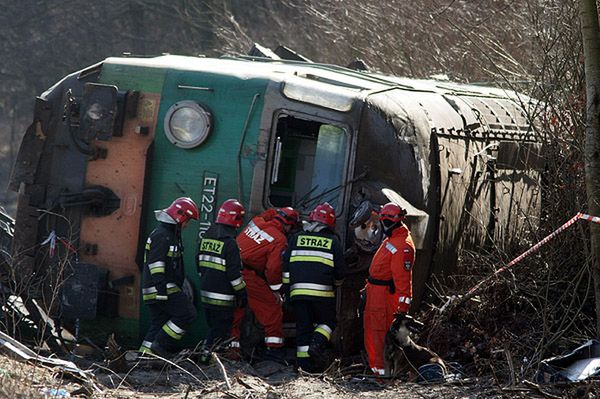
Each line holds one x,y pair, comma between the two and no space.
113,142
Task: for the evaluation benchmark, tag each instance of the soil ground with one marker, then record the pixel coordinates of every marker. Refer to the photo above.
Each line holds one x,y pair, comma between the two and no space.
184,379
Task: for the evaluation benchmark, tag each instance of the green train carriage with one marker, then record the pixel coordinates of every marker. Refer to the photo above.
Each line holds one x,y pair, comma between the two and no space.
111,143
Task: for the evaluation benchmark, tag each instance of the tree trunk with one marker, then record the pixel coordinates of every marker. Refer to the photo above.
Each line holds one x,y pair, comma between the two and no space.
591,49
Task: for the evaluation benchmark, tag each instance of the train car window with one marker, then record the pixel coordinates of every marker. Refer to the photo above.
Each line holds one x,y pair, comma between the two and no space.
308,163
187,124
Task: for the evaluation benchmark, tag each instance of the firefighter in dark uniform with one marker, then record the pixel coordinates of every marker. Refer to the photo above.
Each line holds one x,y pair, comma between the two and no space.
389,286
222,287
171,311
313,267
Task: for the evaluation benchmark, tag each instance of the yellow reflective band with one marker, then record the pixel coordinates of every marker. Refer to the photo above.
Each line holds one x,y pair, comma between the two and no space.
325,294
317,259
149,297
218,302
314,242
285,280
209,245
240,286
302,354
171,333
144,349
323,332
172,290
157,270
148,246
211,265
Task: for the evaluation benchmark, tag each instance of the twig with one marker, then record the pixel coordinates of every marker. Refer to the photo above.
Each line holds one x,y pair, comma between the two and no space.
214,356
538,388
511,366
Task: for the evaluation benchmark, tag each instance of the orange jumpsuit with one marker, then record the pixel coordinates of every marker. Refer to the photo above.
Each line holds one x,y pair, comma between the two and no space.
389,290
262,244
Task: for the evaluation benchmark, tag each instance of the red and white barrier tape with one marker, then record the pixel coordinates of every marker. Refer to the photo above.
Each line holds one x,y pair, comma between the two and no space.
569,223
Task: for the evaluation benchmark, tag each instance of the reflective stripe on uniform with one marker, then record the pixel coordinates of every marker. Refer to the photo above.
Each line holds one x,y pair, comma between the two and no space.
146,344
252,230
391,248
216,295
215,298
312,256
212,262
285,277
324,330
172,288
234,344
312,286
302,351
273,340
275,287
173,251
378,371
404,299
157,267
149,293
238,284
311,289
173,330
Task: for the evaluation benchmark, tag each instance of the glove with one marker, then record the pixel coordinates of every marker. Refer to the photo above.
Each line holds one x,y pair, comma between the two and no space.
403,308
362,303
241,300
278,298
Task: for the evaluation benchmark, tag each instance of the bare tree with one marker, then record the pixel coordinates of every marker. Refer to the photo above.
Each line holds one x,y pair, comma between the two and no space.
591,48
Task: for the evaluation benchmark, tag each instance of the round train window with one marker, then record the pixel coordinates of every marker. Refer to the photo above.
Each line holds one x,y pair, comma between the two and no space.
187,124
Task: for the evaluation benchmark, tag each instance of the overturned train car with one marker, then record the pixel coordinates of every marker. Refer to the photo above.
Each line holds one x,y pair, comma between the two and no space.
113,142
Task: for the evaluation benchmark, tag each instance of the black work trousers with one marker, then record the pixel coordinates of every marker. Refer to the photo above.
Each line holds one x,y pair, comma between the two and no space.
315,320
219,321
169,320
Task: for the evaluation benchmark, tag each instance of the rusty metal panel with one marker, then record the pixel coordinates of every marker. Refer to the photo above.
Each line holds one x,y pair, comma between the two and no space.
113,239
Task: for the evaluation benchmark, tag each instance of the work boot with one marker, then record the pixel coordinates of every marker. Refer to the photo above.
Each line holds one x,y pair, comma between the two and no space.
275,354
231,353
160,351
205,357
317,351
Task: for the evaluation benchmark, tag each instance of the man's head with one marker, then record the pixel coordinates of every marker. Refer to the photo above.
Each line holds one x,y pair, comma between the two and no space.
391,216
288,217
231,213
323,213
182,210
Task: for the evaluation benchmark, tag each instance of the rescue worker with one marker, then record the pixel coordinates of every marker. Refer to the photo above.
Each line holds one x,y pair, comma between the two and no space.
262,244
389,286
171,311
222,287
313,267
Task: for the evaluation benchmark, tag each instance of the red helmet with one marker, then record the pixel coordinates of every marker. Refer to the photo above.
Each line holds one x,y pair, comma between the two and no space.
287,216
392,212
323,213
231,213
182,209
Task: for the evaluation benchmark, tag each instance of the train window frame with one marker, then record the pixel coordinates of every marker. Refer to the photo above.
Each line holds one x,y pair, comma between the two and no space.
204,124
276,152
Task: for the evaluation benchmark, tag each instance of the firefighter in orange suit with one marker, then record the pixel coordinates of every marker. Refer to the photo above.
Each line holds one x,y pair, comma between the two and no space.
389,286
262,244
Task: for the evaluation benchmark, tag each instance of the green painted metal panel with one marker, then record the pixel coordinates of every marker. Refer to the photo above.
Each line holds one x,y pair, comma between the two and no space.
131,77
176,172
